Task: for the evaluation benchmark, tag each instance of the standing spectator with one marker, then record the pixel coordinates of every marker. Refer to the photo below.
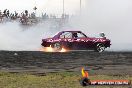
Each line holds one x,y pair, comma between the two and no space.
8,13
5,12
26,12
16,14
0,13
1,18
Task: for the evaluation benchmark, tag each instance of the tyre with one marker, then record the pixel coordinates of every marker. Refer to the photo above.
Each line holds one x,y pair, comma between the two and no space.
57,47
100,47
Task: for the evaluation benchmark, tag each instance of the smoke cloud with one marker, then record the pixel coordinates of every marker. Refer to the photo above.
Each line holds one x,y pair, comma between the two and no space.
14,36
113,17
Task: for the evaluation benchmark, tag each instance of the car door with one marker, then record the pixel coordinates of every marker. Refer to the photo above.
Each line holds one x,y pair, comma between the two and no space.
66,39
79,40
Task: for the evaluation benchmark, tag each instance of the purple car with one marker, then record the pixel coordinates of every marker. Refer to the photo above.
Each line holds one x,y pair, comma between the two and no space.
76,40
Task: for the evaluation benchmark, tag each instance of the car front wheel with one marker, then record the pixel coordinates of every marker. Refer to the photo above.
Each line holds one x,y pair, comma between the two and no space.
100,47
57,47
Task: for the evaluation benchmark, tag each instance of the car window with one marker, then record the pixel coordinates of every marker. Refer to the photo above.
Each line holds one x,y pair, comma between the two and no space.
66,35
81,35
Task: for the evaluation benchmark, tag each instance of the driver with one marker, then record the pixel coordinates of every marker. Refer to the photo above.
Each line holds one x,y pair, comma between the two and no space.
75,35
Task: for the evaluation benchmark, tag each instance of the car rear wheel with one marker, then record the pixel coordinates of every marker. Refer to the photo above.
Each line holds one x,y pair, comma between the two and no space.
100,47
57,47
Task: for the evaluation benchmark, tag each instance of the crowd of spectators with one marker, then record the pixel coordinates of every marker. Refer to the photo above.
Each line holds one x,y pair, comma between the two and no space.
27,18
22,17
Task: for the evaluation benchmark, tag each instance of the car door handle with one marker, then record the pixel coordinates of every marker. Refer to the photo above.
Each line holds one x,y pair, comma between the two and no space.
75,38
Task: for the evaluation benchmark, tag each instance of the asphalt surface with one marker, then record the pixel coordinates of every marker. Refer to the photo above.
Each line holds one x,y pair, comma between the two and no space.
111,63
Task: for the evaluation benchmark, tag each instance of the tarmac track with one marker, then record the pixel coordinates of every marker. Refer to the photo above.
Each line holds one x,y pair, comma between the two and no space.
110,63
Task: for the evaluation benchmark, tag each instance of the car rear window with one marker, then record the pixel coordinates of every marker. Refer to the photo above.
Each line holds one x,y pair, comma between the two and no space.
66,35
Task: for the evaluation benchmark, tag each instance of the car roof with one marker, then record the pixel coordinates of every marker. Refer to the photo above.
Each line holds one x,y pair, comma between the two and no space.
71,31
56,36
